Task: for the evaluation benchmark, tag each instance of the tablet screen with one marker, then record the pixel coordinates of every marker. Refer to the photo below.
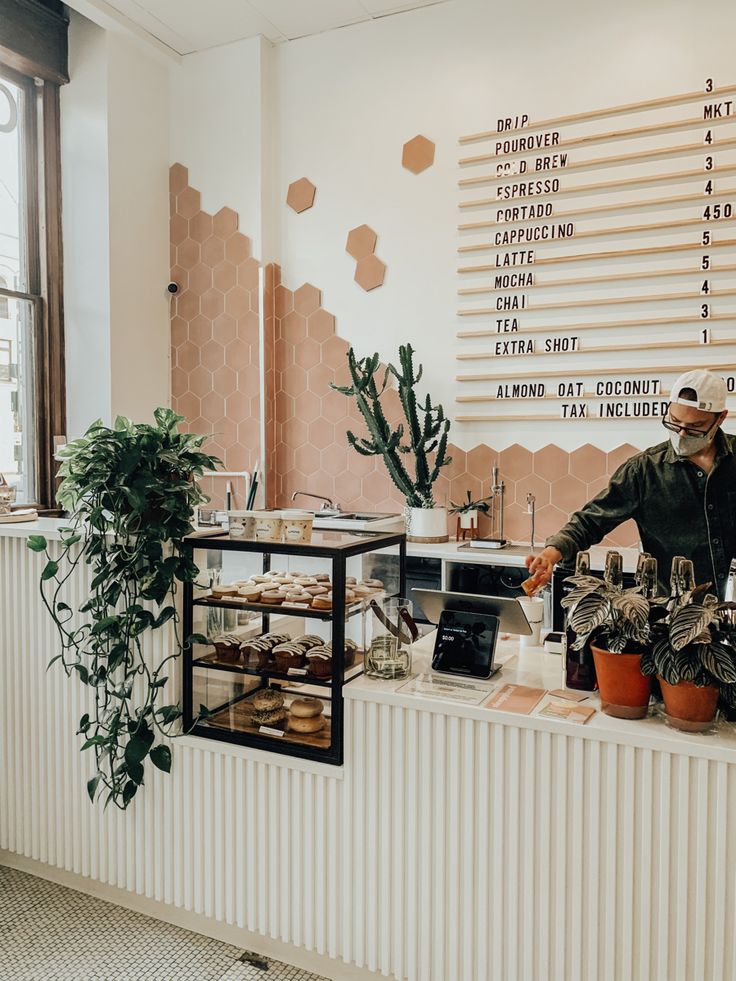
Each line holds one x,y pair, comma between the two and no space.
465,643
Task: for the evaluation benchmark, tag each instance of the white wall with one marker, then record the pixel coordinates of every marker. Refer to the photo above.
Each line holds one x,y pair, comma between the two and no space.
115,223
218,115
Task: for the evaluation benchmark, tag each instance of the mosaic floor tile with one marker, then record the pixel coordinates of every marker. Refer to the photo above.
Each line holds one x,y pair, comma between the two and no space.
51,933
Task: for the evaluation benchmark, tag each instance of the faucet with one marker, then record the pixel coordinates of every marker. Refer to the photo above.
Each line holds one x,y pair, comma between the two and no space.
327,506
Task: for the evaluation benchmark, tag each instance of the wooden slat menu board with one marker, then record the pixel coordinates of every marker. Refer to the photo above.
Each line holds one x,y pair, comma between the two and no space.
597,258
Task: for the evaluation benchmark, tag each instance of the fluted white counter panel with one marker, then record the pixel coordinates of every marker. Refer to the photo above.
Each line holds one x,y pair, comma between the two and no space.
448,848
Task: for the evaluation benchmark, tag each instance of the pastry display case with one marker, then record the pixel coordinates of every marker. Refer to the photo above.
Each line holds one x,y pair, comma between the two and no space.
277,631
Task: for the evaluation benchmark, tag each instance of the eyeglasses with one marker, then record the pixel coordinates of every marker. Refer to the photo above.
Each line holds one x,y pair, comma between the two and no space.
688,430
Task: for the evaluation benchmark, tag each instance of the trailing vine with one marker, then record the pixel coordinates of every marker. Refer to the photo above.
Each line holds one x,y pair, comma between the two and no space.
130,492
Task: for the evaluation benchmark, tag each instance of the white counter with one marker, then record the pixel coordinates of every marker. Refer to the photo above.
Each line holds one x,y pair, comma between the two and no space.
456,843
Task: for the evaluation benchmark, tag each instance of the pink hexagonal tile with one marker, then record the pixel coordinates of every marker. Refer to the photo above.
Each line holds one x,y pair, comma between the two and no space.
189,406
307,461
300,195
480,460
224,276
237,354
213,303
551,462
335,352
200,226
417,154
200,380
213,406
549,521
294,379
187,305
319,382
321,325
349,487
373,490
334,405
532,484
213,355
625,536
187,254
284,405
180,276
213,251
321,433
178,178
307,299
458,465
283,301
307,407
178,229
358,464
620,455
295,431
248,433
187,356
594,488
224,380
283,354
237,248
187,202
200,330
516,526
588,463
200,278
370,272
361,241
569,493
307,353
179,332
248,276
224,328
515,462
225,222
334,461
179,381
294,327
237,302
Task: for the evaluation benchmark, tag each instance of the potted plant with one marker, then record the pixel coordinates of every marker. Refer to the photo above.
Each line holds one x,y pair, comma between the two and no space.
467,513
617,623
422,440
693,654
130,491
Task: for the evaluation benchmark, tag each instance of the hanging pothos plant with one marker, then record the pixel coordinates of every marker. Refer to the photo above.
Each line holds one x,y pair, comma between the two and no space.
130,492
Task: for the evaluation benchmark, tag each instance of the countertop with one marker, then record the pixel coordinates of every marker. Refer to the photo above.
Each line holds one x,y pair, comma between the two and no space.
534,667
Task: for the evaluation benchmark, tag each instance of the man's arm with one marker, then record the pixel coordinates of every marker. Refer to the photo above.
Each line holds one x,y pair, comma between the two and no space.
615,504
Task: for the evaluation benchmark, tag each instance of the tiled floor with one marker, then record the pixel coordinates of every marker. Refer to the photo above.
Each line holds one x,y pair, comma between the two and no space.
50,932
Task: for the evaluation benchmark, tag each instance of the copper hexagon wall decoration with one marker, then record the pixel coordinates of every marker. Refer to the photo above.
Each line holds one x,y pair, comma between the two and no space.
370,272
301,195
361,242
418,154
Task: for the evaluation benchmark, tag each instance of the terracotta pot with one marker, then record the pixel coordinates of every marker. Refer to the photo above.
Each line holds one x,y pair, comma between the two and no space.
688,707
624,690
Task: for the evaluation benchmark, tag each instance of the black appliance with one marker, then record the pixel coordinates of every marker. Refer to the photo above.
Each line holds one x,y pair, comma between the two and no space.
487,580
422,573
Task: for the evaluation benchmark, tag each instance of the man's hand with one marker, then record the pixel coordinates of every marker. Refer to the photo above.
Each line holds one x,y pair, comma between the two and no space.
541,566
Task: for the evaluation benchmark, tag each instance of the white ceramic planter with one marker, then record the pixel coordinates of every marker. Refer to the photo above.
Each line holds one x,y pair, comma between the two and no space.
468,519
426,525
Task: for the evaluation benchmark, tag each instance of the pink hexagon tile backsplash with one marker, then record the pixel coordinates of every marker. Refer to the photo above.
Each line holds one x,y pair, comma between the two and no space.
214,379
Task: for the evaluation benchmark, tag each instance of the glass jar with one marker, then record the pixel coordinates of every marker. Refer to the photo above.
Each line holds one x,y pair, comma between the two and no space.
386,638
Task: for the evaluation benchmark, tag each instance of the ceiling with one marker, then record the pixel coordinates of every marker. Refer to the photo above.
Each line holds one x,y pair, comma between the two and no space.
193,25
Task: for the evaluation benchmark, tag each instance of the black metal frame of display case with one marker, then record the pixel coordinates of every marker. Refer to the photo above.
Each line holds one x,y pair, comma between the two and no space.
338,556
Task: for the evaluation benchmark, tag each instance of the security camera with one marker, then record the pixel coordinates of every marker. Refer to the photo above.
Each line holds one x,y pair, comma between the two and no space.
173,288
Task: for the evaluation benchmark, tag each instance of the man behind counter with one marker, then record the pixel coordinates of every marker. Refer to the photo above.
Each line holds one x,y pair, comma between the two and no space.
681,493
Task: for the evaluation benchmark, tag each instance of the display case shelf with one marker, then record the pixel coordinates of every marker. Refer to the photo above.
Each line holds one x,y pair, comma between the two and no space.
226,689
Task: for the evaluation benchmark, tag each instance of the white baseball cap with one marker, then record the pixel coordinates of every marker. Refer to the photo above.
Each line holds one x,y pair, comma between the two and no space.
710,390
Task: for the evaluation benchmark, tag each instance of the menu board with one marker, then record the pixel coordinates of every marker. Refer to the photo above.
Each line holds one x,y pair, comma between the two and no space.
597,258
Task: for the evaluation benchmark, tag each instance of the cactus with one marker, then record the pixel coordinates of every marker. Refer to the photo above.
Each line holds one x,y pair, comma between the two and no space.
426,426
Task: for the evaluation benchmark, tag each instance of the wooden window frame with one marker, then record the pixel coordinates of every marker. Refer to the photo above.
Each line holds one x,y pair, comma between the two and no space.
44,263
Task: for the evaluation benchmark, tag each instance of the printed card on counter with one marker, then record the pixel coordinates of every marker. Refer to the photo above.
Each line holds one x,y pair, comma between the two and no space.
448,689
570,713
569,694
516,698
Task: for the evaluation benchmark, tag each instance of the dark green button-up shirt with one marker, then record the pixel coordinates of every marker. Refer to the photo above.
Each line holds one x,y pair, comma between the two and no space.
678,508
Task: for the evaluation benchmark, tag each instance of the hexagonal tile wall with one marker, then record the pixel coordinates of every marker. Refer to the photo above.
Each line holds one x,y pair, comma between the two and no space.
418,154
300,195
215,377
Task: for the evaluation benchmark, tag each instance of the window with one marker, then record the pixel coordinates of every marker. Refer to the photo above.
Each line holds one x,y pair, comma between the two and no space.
32,397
